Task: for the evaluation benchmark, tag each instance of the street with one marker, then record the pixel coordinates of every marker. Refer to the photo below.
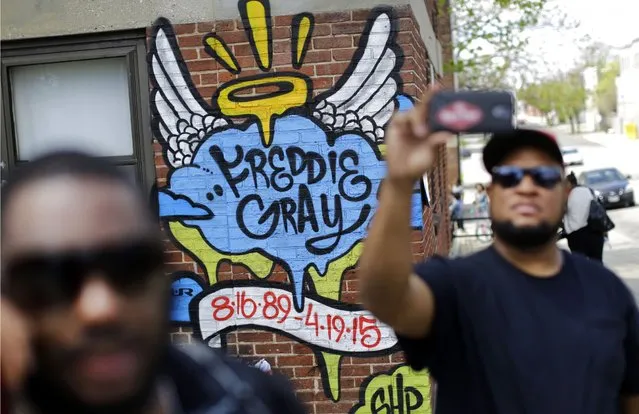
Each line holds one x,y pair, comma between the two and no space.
621,254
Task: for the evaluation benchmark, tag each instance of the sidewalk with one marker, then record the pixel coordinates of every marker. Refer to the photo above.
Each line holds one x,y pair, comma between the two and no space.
614,141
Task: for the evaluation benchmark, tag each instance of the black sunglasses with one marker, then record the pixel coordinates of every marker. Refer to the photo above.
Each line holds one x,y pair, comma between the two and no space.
510,176
42,281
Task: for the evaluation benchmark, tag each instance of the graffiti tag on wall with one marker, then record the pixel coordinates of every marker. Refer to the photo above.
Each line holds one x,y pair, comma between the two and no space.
277,178
401,391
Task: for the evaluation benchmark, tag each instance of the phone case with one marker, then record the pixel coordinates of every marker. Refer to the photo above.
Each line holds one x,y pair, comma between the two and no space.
472,112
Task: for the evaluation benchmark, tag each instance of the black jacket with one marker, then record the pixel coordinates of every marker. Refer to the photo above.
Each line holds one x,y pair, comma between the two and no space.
208,382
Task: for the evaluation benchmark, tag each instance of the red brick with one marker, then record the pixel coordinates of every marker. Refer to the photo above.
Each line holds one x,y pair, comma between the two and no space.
173,257
208,79
385,359
332,42
254,336
174,267
308,70
191,40
223,77
206,27
404,38
271,349
234,36
207,92
349,297
280,59
361,15
189,53
403,11
332,17
205,65
352,286
306,396
246,62
315,56
295,360
281,33
324,406
349,395
331,68
347,28
282,21
406,24
343,54
242,49
224,25
321,29
303,383
281,46
181,29
323,82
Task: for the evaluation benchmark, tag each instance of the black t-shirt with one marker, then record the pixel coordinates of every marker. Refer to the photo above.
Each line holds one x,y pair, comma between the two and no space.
503,342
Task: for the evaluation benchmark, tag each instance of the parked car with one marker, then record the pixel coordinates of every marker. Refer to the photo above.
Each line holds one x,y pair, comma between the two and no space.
612,187
572,156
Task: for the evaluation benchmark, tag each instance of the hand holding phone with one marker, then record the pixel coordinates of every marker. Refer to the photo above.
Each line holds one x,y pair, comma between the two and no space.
472,112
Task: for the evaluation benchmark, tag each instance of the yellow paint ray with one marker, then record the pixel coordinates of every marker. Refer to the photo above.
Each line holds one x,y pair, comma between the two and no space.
331,365
382,149
329,285
260,31
303,31
220,51
192,241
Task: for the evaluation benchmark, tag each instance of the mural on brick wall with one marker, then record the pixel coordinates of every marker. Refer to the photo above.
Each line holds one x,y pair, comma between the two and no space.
277,178
402,390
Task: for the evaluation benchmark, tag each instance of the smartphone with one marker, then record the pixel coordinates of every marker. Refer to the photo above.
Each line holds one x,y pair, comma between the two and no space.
472,112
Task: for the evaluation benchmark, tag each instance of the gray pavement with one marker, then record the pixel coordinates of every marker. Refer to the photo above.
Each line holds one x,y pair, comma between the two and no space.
599,150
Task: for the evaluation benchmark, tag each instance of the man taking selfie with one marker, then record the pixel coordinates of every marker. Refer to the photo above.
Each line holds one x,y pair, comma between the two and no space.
85,306
519,327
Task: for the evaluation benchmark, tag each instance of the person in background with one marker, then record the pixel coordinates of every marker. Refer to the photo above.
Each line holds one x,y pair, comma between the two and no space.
456,212
456,206
481,200
519,327
458,189
581,238
85,305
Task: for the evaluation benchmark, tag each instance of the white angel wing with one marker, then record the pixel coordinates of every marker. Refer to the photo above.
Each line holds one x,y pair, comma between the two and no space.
365,101
181,118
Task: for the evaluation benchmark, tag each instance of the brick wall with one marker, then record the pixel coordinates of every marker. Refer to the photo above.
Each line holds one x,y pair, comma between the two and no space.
217,270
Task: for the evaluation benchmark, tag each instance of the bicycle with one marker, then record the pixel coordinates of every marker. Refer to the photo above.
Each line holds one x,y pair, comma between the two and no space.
483,230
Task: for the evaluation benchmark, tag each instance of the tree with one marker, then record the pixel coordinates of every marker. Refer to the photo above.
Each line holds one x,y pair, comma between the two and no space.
490,39
606,92
561,97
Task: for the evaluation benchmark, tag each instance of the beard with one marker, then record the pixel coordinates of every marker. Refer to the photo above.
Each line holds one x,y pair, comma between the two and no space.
48,394
525,237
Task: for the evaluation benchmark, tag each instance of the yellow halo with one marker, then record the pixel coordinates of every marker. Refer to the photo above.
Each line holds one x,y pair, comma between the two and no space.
292,91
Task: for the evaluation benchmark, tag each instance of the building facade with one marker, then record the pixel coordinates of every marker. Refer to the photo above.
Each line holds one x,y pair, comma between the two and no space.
628,90
258,128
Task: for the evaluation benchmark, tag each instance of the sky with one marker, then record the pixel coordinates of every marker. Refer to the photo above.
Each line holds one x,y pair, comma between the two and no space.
613,22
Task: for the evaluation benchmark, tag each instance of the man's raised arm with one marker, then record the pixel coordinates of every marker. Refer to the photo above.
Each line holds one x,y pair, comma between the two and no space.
389,287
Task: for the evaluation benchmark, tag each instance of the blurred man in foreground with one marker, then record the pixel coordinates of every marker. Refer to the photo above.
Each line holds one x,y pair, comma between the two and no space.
520,327
85,305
